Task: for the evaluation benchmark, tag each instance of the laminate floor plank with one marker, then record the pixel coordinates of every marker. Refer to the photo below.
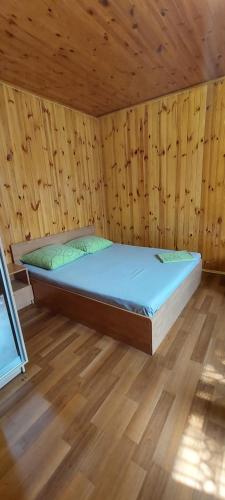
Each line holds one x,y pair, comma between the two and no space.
95,419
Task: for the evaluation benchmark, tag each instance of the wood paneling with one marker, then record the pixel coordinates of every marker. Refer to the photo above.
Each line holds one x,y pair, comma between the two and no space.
50,168
92,419
212,227
105,55
164,172
163,162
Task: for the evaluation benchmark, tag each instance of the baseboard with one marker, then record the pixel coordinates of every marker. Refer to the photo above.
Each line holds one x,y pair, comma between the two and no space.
211,271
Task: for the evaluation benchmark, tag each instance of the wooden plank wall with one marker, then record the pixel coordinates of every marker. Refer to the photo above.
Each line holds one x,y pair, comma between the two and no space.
163,163
212,228
50,168
164,170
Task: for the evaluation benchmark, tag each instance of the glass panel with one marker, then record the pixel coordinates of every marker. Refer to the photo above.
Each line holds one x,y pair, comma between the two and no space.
9,355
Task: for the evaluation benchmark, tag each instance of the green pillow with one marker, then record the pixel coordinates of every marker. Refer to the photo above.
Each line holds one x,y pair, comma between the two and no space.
89,244
52,256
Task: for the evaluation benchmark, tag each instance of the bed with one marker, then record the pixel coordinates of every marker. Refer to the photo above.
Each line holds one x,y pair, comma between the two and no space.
122,291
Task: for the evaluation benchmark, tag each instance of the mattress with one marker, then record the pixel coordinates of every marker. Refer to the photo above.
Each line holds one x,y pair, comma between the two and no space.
128,276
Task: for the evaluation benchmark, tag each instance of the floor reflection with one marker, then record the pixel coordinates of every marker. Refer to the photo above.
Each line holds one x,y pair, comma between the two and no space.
200,461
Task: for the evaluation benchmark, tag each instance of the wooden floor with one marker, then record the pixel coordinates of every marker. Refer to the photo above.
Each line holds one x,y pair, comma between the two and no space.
95,419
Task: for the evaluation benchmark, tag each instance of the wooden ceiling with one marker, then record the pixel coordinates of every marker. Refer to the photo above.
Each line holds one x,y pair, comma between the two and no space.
102,55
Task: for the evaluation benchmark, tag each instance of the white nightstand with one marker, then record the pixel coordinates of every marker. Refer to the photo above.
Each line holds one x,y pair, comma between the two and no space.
21,286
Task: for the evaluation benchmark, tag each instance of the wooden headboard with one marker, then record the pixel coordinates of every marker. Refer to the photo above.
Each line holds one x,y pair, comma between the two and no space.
19,249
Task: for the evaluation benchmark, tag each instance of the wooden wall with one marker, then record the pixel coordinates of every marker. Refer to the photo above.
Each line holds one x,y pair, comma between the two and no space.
164,172
212,229
50,168
157,174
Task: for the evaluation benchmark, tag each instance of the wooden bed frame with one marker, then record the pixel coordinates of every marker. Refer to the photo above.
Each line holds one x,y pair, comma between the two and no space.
140,331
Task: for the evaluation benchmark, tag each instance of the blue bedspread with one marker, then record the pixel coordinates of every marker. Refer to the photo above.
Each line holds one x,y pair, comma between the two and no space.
129,276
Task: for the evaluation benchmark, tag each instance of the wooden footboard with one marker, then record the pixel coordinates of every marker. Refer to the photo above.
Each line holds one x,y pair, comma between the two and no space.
128,327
